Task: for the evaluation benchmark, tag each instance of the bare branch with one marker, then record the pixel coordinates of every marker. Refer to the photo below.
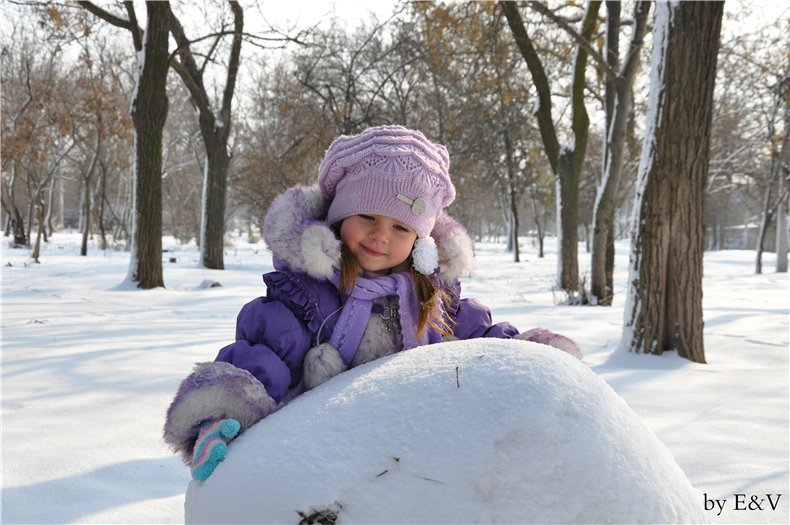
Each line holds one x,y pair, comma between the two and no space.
584,42
631,63
187,68
137,33
106,15
539,78
233,63
130,24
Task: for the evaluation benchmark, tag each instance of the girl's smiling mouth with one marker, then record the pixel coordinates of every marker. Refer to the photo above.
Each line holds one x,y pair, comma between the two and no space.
371,252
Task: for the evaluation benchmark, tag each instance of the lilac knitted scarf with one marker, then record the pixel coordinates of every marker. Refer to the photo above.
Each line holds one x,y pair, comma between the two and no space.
356,311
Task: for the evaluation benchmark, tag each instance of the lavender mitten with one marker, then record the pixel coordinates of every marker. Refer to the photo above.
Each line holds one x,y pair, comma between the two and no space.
547,337
211,446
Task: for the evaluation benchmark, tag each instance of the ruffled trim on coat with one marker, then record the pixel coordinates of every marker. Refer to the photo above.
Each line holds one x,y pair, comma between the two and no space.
287,288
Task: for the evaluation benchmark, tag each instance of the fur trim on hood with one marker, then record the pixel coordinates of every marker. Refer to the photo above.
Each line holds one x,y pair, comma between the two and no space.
300,240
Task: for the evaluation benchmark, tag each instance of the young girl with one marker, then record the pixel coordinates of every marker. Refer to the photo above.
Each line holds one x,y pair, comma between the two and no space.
367,264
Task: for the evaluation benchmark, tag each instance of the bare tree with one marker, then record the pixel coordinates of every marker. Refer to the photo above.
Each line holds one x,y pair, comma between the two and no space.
619,92
566,161
215,127
777,188
348,74
36,137
17,137
664,304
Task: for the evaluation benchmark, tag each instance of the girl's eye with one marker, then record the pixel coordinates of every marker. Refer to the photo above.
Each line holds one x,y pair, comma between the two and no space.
401,228
365,217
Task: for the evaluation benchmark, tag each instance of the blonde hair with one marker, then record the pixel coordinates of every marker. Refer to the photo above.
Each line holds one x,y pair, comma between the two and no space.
430,296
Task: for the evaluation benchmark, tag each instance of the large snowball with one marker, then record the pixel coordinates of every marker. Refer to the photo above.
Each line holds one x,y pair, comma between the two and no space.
470,431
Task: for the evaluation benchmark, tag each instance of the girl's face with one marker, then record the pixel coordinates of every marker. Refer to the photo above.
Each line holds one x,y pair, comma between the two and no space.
377,242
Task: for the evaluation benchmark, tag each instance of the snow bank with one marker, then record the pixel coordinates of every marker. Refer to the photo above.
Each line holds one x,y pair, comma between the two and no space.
475,431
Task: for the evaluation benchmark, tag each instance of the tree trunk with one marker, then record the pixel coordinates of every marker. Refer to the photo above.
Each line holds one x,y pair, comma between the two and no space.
149,111
618,110
41,213
567,216
50,229
664,307
212,223
539,226
784,174
781,230
86,220
18,227
513,191
31,208
87,196
514,214
16,223
767,215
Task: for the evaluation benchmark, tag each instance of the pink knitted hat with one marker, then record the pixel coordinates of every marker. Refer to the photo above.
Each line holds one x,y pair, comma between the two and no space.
387,170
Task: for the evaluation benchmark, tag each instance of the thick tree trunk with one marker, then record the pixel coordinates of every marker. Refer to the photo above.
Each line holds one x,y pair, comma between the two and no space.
149,112
568,216
212,228
18,227
664,308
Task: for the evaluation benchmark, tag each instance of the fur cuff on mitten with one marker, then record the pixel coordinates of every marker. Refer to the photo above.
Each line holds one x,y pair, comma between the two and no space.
321,363
214,391
547,337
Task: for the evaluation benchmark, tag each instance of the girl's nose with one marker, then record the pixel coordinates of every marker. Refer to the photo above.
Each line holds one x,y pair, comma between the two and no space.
379,232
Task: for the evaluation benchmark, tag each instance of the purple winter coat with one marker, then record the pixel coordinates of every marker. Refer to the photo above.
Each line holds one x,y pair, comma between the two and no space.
274,333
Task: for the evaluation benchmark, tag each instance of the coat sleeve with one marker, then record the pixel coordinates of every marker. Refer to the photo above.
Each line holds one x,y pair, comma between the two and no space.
473,319
270,343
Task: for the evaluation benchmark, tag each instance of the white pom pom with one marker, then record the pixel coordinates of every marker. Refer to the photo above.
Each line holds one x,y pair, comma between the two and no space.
425,256
321,364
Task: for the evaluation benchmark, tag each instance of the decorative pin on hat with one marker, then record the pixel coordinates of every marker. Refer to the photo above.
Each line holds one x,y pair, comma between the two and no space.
418,205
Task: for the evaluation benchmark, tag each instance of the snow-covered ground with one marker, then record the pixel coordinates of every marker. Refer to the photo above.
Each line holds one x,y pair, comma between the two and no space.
88,370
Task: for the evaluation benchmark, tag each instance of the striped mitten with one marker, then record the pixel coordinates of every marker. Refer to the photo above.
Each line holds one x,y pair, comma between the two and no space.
211,446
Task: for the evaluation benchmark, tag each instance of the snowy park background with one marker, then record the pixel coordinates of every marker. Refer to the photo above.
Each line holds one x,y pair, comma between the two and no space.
89,368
